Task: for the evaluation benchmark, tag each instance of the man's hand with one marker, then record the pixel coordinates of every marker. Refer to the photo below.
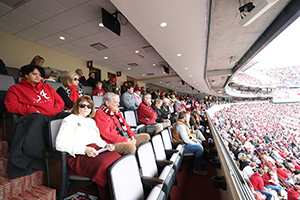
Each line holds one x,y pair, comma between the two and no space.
132,140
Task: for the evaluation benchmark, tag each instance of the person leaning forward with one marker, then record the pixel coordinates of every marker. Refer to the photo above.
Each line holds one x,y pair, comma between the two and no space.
114,129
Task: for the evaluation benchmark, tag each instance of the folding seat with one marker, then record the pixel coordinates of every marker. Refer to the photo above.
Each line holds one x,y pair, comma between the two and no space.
125,181
88,90
150,167
5,82
54,85
162,154
97,101
57,170
131,119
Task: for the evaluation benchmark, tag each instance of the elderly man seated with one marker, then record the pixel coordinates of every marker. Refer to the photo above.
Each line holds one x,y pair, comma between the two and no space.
148,116
114,129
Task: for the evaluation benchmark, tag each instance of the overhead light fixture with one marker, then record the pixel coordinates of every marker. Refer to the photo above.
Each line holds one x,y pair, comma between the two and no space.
179,54
136,51
105,58
101,25
62,38
163,24
257,11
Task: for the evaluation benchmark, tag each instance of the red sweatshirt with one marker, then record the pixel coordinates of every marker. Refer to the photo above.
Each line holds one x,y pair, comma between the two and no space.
282,173
108,128
97,91
25,98
257,181
146,114
293,194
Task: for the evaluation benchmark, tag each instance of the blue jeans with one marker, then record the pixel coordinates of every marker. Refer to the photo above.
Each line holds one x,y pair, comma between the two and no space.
131,108
277,188
197,149
268,194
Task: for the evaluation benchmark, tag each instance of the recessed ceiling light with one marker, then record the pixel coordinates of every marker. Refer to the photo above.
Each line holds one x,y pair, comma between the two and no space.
179,54
160,81
186,68
136,51
129,68
62,38
153,64
163,24
105,58
144,74
101,24
190,75
168,84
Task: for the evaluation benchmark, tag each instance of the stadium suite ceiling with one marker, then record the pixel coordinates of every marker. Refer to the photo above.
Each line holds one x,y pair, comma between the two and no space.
207,34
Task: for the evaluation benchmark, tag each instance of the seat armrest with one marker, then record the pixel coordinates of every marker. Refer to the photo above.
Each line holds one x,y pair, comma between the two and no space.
57,171
162,163
170,152
151,181
175,144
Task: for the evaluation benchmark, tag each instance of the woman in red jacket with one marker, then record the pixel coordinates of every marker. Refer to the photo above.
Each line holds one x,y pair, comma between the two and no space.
33,96
38,103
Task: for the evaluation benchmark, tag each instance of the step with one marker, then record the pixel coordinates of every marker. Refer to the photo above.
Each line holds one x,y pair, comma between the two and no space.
18,185
3,147
3,164
37,192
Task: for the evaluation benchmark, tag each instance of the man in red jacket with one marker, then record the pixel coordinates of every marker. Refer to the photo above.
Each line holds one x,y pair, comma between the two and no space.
294,193
258,184
148,116
113,127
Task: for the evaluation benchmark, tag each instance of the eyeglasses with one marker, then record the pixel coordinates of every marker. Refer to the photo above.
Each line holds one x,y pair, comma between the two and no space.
76,79
82,105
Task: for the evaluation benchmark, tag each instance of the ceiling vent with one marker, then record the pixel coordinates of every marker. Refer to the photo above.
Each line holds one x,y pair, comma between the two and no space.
133,64
14,3
98,46
148,49
150,74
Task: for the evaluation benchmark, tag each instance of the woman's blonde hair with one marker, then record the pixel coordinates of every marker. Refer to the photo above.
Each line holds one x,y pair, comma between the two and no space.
69,77
75,109
36,60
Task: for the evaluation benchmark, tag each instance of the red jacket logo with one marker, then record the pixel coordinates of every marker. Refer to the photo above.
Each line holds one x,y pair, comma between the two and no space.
42,94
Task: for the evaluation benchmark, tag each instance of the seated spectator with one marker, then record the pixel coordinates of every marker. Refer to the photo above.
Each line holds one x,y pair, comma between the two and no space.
91,80
248,170
165,108
114,129
70,91
98,90
243,160
128,99
258,184
31,95
182,134
195,121
110,85
142,90
161,118
3,69
281,171
177,106
270,182
37,60
148,116
138,98
124,87
294,193
82,79
79,136
38,103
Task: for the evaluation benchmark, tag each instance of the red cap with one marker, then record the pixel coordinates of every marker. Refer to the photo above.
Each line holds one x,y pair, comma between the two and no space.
113,79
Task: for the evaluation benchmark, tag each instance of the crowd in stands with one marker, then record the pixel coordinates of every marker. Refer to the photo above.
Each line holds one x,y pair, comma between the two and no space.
85,130
265,137
271,77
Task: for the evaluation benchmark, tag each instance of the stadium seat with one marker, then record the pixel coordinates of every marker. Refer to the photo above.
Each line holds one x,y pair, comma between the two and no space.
161,169
88,90
55,85
15,72
97,101
162,154
5,82
57,166
131,119
125,181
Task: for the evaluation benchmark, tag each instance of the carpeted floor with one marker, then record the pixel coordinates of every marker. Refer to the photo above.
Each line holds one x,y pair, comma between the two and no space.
193,186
